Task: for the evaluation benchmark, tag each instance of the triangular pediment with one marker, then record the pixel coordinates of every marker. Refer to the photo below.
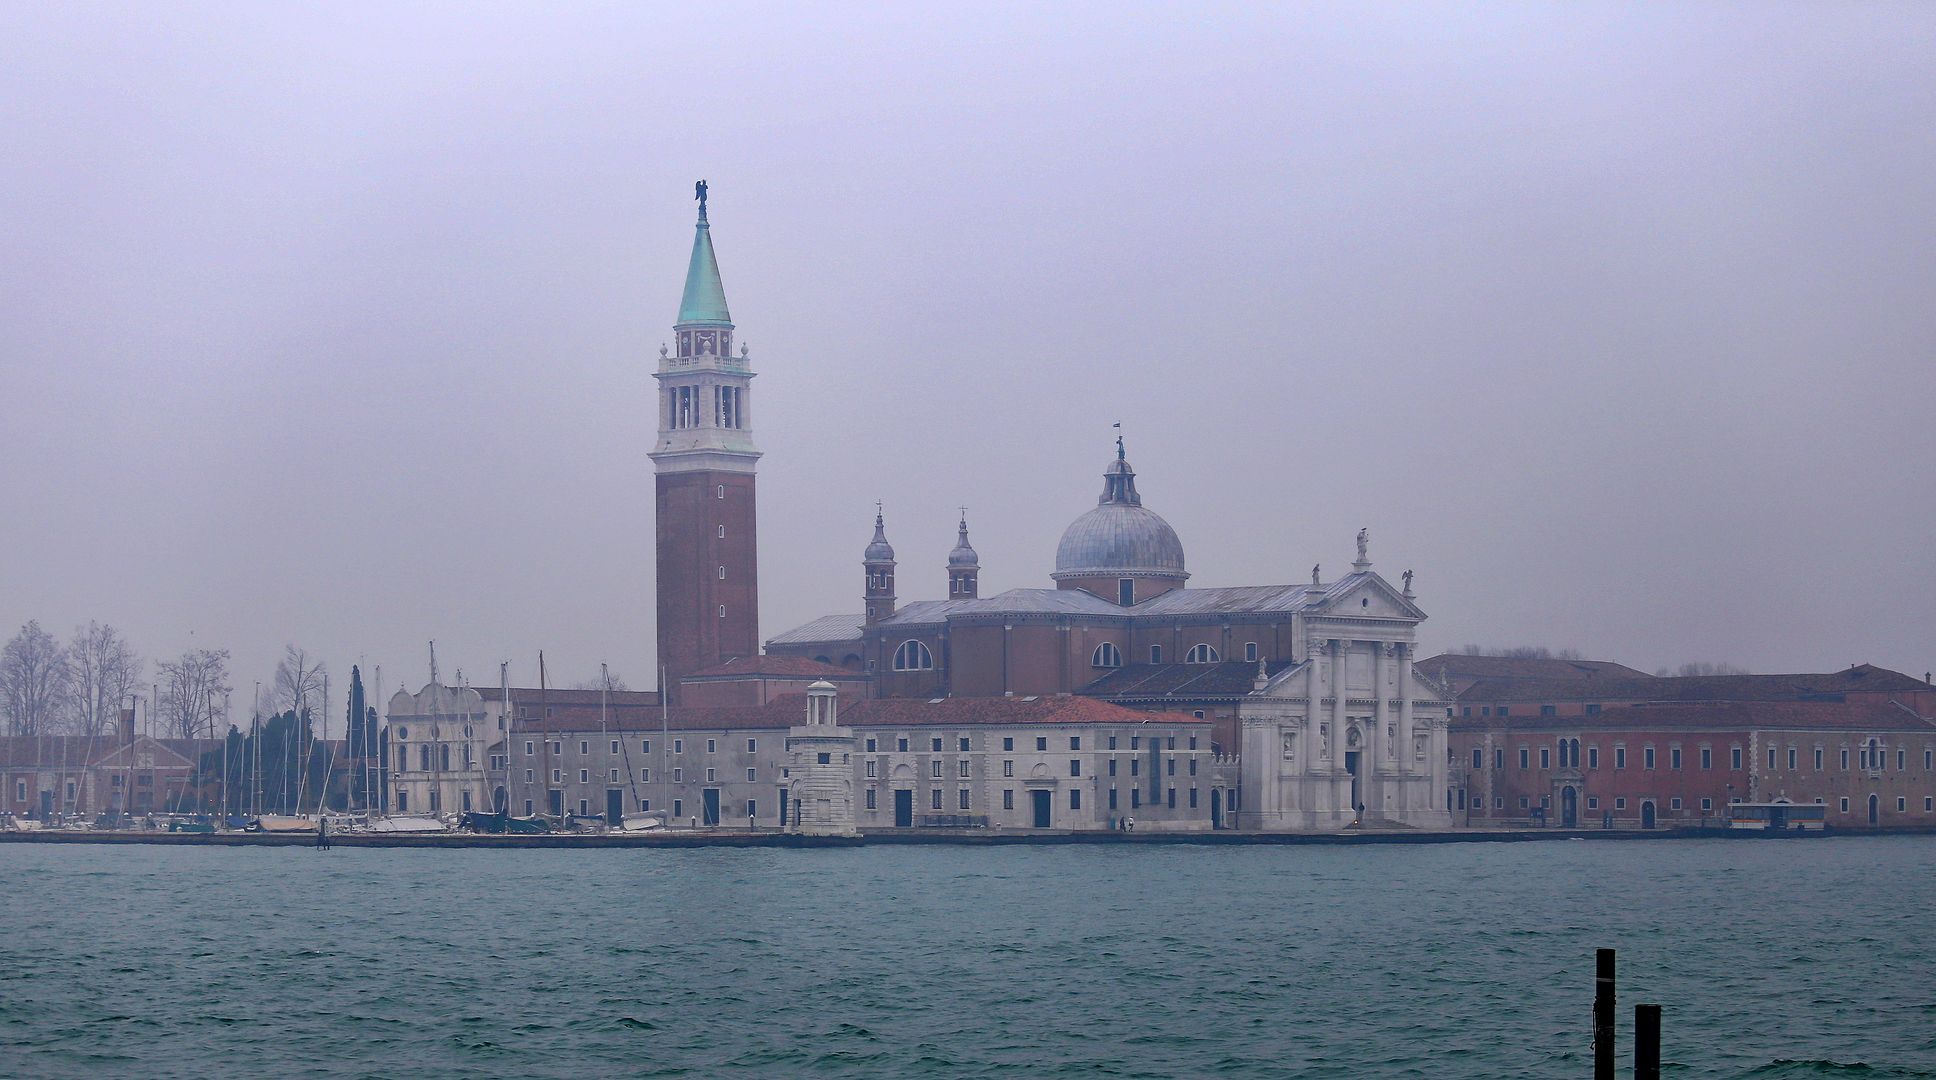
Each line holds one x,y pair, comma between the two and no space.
1366,595
146,753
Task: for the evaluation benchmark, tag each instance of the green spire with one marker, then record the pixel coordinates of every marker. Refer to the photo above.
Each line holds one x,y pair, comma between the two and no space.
705,298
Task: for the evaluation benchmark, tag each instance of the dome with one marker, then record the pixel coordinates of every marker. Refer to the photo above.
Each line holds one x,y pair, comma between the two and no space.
963,556
878,549
1119,538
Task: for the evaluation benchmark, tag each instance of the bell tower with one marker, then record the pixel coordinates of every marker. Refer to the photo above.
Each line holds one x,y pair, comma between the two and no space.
708,579
878,560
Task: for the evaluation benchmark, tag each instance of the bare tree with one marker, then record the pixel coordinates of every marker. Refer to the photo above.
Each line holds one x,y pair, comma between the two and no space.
299,680
1524,652
1702,667
103,671
33,680
597,683
194,692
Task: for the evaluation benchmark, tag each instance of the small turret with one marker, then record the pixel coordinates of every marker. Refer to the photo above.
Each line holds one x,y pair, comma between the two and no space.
964,566
879,562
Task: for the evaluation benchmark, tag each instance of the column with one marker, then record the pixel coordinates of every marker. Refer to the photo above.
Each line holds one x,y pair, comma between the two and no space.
1404,655
1383,755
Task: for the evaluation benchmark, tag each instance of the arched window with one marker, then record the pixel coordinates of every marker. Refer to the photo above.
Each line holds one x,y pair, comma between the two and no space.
1107,655
1250,652
1201,653
443,757
913,656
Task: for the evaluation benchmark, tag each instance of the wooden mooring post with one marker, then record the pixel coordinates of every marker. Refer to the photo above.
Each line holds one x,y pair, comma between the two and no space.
1646,1042
1603,1014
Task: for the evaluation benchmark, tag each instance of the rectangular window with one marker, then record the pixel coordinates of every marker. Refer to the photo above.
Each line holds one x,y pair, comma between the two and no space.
557,776
712,746
1498,802
1135,798
1112,742
528,778
1112,798
1545,757
752,775
645,776
1075,766
1549,710
1845,798
1193,798
614,776
1901,804
678,746
645,746
1134,766
1619,757
1499,757
1502,710
873,746
936,747
678,808
871,769
712,776
1042,743
1478,758
752,809
1592,757
1647,757
1674,757
873,800
1172,798
584,776
1674,803
1593,802
527,748
1075,742
1112,766
1818,759
752,746
614,746
901,745
1156,654
678,776
1008,744
1706,805
1170,767
529,809
964,744
1734,758
1771,758
1075,798
961,768
934,799
963,800
1845,761
1008,798
1193,742
1707,757
1193,766
1250,652
1620,803
1524,802
934,769
1008,768
1593,710
1135,742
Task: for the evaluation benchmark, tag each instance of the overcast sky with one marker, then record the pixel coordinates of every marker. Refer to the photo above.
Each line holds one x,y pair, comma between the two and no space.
334,325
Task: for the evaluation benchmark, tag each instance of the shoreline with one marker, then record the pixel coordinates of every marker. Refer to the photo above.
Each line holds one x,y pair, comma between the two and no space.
743,839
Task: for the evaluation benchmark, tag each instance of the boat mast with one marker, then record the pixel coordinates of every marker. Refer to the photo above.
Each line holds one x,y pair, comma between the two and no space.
544,731
665,745
510,715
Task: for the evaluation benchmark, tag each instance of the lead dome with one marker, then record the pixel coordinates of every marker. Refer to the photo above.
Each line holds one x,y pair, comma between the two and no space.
1119,538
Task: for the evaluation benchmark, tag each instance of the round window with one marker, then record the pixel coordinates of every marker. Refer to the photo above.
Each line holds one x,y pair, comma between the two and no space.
402,733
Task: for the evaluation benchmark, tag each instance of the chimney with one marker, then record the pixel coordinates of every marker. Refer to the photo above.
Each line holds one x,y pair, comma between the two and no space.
127,726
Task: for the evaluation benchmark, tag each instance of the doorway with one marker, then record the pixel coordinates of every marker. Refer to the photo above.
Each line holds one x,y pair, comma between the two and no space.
904,809
614,806
783,808
1569,808
709,806
1647,815
1875,810
1216,808
1351,766
46,806
1042,808
500,802
554,802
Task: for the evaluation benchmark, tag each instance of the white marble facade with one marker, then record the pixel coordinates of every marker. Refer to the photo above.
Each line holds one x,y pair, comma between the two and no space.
1352,735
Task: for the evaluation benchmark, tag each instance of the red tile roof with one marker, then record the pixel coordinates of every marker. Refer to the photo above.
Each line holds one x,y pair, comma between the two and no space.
781,667
791,709
1827,686
530,695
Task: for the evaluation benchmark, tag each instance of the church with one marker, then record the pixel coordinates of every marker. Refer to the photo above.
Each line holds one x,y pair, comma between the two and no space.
1287,707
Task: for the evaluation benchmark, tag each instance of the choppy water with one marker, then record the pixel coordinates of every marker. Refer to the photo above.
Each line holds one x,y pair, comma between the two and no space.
1774,959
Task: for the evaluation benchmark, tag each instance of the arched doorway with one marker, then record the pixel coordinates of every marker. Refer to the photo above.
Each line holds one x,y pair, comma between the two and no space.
1216,808
500,800
1352,758
1875,810
1647,814
1569,808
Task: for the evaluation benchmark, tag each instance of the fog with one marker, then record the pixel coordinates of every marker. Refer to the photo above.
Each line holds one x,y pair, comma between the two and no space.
335,325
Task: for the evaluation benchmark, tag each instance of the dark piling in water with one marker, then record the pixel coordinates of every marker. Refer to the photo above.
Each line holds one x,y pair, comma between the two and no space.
1646,1042
1603,1014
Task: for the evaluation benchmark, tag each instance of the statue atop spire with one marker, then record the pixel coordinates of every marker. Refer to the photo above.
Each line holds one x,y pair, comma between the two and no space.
699,192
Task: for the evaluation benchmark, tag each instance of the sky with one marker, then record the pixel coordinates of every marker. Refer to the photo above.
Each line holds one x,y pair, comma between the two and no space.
334,325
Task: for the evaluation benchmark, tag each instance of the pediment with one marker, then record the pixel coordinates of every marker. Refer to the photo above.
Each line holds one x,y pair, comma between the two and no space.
1369,596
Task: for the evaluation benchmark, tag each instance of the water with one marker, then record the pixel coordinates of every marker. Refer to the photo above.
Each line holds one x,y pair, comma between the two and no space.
1774,959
